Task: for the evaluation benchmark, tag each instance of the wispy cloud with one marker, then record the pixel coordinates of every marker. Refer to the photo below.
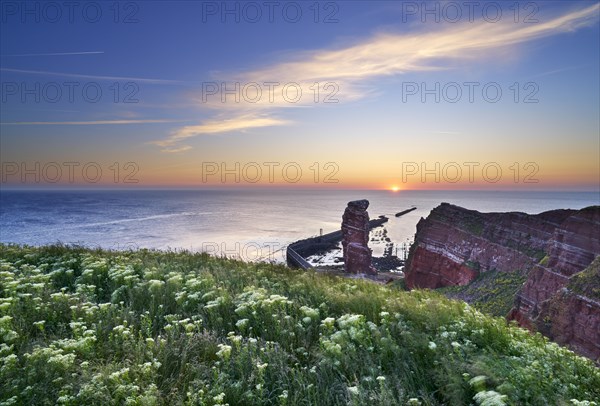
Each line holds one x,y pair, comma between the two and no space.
555,71
217,126
97,77
176,149
388,54
56,54
353,67
98,122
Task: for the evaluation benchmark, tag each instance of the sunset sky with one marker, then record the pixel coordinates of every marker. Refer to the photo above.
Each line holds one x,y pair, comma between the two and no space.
374,123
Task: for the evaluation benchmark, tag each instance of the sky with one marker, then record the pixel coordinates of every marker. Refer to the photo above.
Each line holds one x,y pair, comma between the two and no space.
333,94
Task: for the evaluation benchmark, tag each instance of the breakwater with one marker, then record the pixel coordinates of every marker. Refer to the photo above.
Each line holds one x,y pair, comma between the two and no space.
297,251
403,212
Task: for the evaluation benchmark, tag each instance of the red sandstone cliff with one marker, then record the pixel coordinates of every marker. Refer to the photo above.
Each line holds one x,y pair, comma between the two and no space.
355,238
548,302
571,318
454,246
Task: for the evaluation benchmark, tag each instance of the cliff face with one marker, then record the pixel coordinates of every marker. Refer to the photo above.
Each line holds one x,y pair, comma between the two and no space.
455,246
571,318
550,301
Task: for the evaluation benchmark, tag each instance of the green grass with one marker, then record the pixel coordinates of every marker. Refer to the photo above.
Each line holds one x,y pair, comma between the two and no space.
144,327
587,282
475,265
473,225
544,261
493,292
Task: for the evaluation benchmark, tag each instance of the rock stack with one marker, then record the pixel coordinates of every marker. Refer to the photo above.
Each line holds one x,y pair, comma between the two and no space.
355,238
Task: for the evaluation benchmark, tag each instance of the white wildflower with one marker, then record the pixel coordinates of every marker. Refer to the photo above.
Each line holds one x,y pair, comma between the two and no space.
224,351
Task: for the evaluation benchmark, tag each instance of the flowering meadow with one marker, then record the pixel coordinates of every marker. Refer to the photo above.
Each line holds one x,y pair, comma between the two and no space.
85,327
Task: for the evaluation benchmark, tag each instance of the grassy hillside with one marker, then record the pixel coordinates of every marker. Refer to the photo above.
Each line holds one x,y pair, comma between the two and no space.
587,282
94,327
493,292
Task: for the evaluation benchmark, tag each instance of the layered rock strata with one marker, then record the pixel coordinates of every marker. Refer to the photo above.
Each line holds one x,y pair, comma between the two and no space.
355,238
454,246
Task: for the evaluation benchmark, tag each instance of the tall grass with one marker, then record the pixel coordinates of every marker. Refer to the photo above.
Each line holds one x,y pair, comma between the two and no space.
146,327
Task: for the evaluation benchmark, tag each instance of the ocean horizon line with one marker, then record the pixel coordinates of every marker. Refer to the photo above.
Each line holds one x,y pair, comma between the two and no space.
276,188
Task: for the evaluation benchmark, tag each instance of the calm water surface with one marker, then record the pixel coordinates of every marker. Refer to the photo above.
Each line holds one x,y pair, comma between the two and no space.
248,223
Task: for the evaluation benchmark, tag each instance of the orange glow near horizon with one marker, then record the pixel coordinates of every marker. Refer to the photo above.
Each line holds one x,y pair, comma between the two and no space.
150,173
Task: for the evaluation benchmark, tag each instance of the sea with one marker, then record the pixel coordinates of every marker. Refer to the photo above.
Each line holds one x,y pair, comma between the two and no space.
249,224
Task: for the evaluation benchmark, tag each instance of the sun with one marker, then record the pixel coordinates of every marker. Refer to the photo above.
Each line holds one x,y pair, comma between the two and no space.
395,188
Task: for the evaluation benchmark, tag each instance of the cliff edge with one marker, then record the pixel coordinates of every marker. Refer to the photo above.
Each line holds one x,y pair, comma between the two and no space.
538,270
